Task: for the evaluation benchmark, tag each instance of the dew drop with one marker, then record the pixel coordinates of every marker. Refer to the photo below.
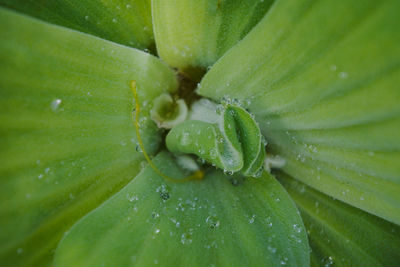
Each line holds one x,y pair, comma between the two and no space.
297,228
212,222
55,104
343,75
138,148
164,192
252,219
271,249
186,238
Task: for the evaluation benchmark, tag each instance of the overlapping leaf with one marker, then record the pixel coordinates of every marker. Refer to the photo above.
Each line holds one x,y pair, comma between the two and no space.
217,221
341,235
322,79
67,138
194,34
126,22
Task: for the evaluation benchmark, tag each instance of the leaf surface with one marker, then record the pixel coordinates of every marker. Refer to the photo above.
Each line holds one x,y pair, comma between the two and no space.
194,34
67,136
342,235
250,222
126,22
231,140
322,79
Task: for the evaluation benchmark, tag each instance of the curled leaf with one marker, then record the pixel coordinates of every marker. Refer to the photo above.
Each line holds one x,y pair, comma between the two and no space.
231,140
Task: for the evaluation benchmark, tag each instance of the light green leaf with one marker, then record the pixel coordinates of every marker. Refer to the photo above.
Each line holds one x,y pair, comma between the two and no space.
195,33
341,235
66,133
323,85
126,22
249,222
230,140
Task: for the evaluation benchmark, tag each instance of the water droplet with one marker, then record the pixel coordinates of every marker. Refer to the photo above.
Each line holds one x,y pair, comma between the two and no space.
132,198
55,104
297,228
251,220
343,75
19,250
164,192
284,261
86,17
185,140
328,261
212,222
186,238
157,231
271,249
114,20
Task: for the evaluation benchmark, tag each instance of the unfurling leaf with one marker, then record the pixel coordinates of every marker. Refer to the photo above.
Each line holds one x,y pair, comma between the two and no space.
230,140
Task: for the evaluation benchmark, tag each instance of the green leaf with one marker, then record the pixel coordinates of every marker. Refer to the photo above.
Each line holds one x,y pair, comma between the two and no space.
123,21
342,235
195,33
231,141
66,133
324,89
249,222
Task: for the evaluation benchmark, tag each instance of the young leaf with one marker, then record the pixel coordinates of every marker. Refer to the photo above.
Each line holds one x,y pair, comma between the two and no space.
250,222
343,235
67,136
327,98
195,33
232,143
121,21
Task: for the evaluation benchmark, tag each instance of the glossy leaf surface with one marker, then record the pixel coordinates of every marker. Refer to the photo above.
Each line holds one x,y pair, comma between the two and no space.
67,137
218,221
126,22
341,235
195,33
231,140
323,85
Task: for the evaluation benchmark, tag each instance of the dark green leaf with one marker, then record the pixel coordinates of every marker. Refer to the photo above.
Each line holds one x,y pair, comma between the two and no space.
341,235
126,22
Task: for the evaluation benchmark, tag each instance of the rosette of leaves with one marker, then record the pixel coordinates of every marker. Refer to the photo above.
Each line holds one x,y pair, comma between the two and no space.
317,80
